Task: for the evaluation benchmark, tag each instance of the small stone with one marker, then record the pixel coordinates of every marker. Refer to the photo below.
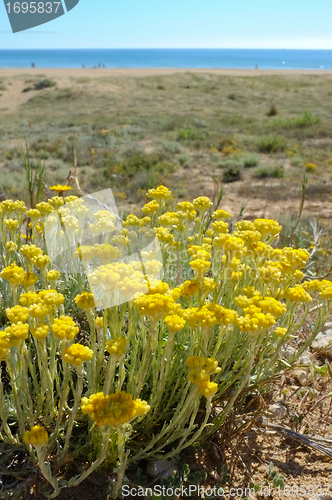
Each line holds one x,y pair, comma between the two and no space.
277,411
288,351
158,467
323,342
305,360
302,376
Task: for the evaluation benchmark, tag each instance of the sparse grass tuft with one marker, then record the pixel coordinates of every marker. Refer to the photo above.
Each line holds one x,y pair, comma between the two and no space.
265,172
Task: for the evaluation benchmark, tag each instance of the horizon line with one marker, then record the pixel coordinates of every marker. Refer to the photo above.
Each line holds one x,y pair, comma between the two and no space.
165,48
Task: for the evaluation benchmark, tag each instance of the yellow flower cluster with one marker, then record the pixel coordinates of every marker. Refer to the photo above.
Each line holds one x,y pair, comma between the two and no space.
221,215
35,255
209,315
155,305
11,224
116,347
160,193
202,203
17,314
297,294
85,301
43,303
133,220
13,335
9,206
13,273
267,227
150,208
37,436
174,323
40,331
76,354
113,410
64,328
200,370
53,275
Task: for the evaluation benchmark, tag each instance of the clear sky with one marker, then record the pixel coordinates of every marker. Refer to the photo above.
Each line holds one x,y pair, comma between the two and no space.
302,24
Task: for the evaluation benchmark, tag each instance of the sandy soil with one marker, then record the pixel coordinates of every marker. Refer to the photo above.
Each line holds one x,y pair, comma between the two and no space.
97,72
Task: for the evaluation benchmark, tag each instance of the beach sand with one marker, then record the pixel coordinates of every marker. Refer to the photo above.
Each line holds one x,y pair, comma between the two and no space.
98,72
20,77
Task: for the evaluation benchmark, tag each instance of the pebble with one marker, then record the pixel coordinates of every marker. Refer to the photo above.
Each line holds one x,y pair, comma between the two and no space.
288,351
277,411
163,468
323,342
305,360
302,376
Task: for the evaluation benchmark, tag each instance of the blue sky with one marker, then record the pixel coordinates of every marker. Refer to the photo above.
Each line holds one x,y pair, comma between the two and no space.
303,24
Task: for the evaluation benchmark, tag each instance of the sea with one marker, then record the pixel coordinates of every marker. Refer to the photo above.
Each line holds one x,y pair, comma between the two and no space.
168,58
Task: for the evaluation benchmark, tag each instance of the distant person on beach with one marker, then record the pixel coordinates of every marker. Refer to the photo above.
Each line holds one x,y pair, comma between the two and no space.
33,65
256,67
83,66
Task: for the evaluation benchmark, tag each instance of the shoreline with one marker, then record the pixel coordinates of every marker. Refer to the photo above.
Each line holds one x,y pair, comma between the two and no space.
92,72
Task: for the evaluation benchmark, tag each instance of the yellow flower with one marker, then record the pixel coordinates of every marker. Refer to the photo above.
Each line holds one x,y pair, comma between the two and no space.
34,214
267,227
221,215
202,203
85,301
37,436
71,198
76,354
115,409
30,252
200,369
64,328
15,334
53,275
185,206
60,188
13,273
280,332
251,323
44,208
208,389
189,288
11,224
11,246
297,294
200,266
56,202
17,314
151,207
174,323
220,227
244,225
160,193
116,347
40,332
155,305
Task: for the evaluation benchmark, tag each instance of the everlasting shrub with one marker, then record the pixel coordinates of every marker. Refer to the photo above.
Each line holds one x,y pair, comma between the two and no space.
310,167
184,311
271,144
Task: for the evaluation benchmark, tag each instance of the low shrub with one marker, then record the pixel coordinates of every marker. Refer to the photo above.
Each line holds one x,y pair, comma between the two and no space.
265,171
271,144
232,174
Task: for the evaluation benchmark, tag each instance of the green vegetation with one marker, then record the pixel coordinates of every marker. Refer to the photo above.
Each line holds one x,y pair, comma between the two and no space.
133,132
